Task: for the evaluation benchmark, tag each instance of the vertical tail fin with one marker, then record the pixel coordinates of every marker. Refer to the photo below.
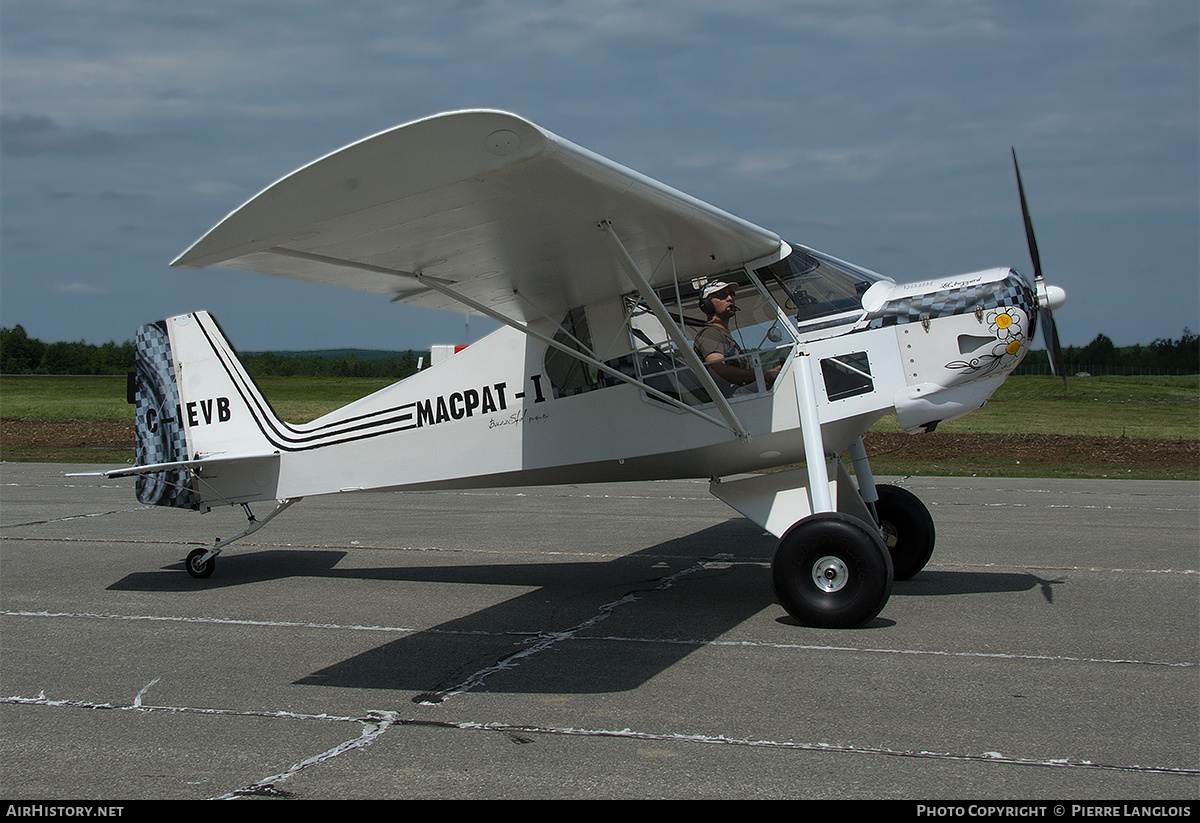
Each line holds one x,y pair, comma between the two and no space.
193,401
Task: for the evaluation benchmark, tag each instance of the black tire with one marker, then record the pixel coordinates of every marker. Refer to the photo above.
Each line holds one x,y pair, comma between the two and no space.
832,571
197,569
907,530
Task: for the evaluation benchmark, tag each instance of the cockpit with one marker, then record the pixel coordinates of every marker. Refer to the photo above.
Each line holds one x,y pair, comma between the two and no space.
810,290
804,296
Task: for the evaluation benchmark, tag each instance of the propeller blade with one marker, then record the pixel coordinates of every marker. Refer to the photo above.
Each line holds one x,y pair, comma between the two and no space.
1045,317
1053,349
1030,239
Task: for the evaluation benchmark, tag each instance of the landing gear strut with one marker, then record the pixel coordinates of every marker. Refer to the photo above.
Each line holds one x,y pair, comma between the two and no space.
201,562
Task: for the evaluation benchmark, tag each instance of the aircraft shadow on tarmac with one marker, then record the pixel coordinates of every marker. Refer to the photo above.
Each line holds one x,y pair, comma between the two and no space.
701,606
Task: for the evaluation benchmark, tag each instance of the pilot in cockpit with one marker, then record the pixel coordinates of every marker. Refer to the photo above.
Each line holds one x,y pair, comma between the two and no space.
715,346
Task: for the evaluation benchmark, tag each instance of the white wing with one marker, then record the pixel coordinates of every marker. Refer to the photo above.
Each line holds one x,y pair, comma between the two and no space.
483,200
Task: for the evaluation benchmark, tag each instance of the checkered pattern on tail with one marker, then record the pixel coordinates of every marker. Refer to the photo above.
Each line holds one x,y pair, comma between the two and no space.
160,434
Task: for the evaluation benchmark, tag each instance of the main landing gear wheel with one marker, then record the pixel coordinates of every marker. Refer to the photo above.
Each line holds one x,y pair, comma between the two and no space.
196,566
832,571
907,530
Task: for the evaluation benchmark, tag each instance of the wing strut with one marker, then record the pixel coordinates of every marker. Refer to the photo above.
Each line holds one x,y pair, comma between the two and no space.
437,285
673,331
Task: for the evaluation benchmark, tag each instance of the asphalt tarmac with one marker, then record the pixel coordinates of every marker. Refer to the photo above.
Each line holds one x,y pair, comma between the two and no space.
609,641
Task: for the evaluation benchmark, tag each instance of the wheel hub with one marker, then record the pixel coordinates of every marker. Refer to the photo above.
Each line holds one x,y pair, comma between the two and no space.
890,536
830,574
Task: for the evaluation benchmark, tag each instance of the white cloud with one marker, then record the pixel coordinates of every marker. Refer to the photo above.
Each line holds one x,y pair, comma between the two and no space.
867,121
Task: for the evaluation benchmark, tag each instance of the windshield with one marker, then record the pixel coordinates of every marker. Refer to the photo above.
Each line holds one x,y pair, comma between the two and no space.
817,291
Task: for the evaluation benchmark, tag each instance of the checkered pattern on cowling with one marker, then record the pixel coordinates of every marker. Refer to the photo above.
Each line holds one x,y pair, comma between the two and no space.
157,397
1012,291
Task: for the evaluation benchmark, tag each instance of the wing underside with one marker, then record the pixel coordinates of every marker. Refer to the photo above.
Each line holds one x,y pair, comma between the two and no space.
485,203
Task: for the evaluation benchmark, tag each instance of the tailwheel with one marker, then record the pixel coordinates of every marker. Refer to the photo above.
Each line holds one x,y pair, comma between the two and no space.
197,565
832,571
907,530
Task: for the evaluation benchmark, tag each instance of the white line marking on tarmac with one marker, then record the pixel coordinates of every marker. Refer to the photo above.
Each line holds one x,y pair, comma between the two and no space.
570,634
74,517
377,722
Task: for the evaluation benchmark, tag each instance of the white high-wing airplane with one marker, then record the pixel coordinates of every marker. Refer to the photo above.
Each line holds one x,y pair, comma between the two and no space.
601,278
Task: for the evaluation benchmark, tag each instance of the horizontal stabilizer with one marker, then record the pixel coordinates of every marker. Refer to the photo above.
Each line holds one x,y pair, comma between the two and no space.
131,471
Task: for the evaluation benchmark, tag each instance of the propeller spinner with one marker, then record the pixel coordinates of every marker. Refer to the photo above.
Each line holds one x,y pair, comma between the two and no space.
1047,296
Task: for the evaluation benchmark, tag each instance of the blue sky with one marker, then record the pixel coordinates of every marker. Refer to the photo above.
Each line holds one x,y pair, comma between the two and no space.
876,131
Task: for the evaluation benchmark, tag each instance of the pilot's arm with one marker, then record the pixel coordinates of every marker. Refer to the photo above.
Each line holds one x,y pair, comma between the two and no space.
737,375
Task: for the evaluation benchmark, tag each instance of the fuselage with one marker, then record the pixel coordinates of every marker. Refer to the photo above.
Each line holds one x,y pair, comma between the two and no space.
510,409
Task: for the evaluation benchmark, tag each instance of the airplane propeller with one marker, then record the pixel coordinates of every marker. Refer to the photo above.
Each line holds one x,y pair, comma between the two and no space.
1047,296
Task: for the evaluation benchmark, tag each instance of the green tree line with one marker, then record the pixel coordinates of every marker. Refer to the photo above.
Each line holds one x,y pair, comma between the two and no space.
273,364
1164,355
22,354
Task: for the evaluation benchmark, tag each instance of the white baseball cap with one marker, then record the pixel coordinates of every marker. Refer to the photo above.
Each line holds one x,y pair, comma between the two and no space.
716,286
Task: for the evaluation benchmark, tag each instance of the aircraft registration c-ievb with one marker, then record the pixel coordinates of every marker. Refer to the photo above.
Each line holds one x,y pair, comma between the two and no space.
646,335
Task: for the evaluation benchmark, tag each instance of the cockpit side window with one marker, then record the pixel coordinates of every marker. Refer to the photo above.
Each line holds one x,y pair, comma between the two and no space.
757,330
566,373
569,375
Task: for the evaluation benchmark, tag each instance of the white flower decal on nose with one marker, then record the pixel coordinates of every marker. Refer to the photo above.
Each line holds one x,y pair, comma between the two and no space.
1005,323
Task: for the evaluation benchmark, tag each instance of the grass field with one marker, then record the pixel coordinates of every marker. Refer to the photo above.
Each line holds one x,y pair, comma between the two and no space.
1130,408
1154,407
296,399
1167,408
